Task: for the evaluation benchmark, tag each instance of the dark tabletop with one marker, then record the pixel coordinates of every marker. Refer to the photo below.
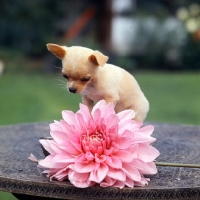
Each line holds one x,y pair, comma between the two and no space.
176,143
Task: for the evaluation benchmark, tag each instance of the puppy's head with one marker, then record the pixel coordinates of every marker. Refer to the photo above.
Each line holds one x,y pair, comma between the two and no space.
80,65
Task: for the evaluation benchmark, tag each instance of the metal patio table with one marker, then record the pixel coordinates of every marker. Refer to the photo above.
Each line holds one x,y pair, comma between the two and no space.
21,177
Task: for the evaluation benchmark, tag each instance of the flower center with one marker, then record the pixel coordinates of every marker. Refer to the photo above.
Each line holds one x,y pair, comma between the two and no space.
93,141
96,137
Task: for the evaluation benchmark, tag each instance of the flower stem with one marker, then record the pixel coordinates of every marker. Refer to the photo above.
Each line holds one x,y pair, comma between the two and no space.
177,165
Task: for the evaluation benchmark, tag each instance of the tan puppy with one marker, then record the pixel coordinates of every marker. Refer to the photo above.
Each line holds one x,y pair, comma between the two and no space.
88,73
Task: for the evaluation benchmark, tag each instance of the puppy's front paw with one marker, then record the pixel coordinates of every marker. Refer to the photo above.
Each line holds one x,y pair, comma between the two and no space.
88,102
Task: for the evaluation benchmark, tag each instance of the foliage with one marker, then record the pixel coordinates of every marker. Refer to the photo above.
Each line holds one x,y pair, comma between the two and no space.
165,35
159,41
28,25
190,54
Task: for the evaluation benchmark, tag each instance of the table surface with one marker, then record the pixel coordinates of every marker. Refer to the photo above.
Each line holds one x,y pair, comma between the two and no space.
176,143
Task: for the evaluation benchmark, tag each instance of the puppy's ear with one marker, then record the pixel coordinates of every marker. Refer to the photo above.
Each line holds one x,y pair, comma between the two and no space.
57,50
98,58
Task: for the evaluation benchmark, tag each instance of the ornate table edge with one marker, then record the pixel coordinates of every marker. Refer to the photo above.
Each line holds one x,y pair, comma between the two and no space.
64,190
70,192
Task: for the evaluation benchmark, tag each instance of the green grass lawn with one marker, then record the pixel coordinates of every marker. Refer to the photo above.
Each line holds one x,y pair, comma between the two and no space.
173,97
31,98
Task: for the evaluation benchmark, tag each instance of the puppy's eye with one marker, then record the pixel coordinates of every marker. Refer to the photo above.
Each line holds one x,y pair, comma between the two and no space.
85,79
65,76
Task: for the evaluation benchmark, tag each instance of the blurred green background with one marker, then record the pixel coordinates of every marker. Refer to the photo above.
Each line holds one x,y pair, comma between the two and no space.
158,41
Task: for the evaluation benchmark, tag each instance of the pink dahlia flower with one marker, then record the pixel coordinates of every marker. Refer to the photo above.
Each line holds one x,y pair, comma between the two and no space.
102,147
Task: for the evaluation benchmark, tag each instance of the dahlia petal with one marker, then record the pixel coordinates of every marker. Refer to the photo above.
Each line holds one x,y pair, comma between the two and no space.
129,182
68,147
145,168
61,174
102,172
142,182
60,177
126,115
114,162
100,159
69,117
119,184
116,174
99,105
124,155
89,156
142,138
124,142
50,146
147,153
130,125
56,126
107,182
63,158
81,122
148,130
98,175
99,150
152,167
79,179
107,152
67,128
48,163
85,113
84,167
92,149
55,148
111,121
50,172
75,176
96,116
131,172
74,143
59,136
33,158
81,158
81,184
107,110
115,147
127,134
66,169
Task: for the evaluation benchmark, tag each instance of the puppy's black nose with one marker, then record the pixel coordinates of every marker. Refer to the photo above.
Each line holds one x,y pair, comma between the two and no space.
72,90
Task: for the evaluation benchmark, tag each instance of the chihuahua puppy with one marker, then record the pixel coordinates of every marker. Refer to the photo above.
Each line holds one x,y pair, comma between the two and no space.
88,73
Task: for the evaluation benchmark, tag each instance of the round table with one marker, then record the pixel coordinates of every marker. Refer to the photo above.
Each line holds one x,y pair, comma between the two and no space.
21,177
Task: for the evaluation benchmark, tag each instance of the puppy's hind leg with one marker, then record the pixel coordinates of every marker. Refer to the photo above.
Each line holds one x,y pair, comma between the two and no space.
140,115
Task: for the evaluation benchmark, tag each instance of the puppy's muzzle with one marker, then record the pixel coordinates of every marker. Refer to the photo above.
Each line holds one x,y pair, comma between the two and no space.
72,90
